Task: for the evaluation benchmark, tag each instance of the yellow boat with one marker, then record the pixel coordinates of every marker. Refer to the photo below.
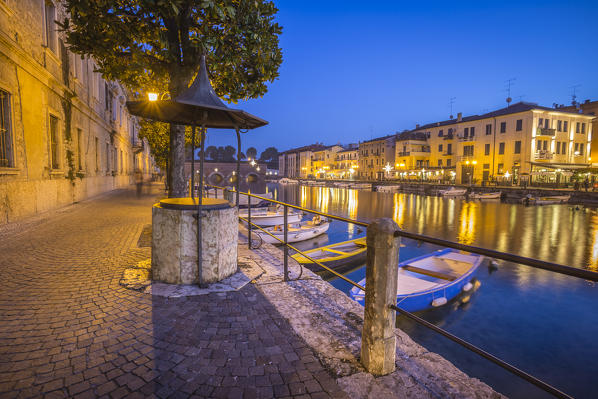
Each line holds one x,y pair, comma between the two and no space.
335,255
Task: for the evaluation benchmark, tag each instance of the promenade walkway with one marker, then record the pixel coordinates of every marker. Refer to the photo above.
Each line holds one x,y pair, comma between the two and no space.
69,329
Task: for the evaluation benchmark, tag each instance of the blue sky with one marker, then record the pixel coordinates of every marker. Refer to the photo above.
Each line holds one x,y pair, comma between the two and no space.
354,70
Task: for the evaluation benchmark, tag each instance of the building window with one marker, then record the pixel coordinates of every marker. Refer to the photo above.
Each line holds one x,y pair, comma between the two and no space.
448,163
583,128
558,147
440,163
519,125
577,127
501,148
540,122
54,143
6,150
488,129
503,127
472,131
449,149
486,166
581,149
440,133
500,168
107,157
576,150
559,126
466,132
547,123
468,151
564,148
439,147
487,149
79,150
565,126
50,26
517,147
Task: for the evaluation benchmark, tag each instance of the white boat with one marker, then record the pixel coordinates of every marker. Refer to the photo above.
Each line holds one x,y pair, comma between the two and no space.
286,180
243,198
296,231
269,217
431,280
453,192
388,189
549,200
342,185
485,195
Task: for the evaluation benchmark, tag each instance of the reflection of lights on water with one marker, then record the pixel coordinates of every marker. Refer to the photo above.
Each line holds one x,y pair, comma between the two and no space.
399,209
593,262
323,194
303,198
352,204
467,220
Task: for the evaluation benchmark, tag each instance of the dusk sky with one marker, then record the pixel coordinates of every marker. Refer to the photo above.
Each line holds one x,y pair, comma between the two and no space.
354,70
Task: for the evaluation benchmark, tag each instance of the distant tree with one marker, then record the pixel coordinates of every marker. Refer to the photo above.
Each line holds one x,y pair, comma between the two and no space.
228,154
270,154
251,153
212,153
156,45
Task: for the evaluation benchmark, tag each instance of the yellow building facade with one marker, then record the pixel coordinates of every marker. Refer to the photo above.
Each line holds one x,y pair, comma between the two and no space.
65,133
374,156
521,141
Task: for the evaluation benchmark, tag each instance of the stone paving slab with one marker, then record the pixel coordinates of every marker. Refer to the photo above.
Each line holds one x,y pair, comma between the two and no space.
68,328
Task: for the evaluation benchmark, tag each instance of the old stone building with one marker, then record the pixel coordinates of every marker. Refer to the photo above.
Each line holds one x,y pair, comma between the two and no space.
65,133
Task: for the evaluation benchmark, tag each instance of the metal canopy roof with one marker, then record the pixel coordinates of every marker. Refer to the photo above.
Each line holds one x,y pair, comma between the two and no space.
198,105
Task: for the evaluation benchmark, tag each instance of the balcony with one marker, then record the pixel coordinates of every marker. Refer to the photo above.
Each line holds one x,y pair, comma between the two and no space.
542,131
447,153
448,137
466,138
404,153
543,154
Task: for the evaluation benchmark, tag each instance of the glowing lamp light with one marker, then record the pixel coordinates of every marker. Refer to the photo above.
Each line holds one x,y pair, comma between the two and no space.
402,165
152,96
467,162
258,168
252,162
215,169
474,162
507,174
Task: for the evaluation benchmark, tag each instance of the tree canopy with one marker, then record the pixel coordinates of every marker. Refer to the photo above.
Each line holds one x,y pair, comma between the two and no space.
251,153
270,154
156,45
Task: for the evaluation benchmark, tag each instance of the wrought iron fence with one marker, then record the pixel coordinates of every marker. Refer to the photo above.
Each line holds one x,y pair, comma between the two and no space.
531,262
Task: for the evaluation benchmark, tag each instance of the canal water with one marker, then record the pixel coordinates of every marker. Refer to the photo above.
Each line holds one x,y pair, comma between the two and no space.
542,322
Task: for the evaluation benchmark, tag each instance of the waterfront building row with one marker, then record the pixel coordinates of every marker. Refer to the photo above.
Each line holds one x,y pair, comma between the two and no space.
65,133
520,144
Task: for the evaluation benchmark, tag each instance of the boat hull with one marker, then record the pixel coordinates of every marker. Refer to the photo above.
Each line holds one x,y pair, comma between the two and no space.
272,220
452,192
485,195
294,236
422,300
350,258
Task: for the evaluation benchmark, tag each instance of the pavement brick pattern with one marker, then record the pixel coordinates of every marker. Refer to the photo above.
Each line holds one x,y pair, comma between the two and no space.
68,329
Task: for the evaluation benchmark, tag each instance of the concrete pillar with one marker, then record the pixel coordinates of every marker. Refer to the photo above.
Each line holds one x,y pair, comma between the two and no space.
378,341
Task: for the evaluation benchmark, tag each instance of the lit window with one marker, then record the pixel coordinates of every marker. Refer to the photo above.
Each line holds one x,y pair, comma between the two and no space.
50,26
54,143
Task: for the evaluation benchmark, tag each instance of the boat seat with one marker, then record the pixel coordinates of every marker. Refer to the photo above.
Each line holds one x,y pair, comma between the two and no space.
431,273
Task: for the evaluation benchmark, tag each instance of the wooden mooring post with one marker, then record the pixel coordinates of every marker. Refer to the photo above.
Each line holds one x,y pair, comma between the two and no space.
378,341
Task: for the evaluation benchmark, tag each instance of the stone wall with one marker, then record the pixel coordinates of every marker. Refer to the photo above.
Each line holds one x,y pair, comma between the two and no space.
45,85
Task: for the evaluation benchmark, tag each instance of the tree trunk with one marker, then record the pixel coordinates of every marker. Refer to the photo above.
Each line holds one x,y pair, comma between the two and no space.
177,182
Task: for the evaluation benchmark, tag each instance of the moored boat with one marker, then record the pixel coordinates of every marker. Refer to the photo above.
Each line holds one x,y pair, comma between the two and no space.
453,192
431,280
269,217
296,232
485,195
361,186
334,255
548,200
388,189
286,180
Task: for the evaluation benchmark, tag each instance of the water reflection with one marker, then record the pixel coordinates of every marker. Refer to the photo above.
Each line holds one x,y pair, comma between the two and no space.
467,222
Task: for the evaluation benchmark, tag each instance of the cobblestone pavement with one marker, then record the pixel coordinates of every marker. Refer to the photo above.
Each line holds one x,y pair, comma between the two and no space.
68,329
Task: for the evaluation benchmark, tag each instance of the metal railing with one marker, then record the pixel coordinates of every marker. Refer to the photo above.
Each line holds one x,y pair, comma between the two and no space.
531,262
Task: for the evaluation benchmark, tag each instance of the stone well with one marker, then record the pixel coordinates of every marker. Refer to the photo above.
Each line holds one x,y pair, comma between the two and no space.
174,240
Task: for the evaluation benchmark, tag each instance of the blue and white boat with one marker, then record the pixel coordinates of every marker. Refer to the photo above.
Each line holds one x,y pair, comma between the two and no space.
431,280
